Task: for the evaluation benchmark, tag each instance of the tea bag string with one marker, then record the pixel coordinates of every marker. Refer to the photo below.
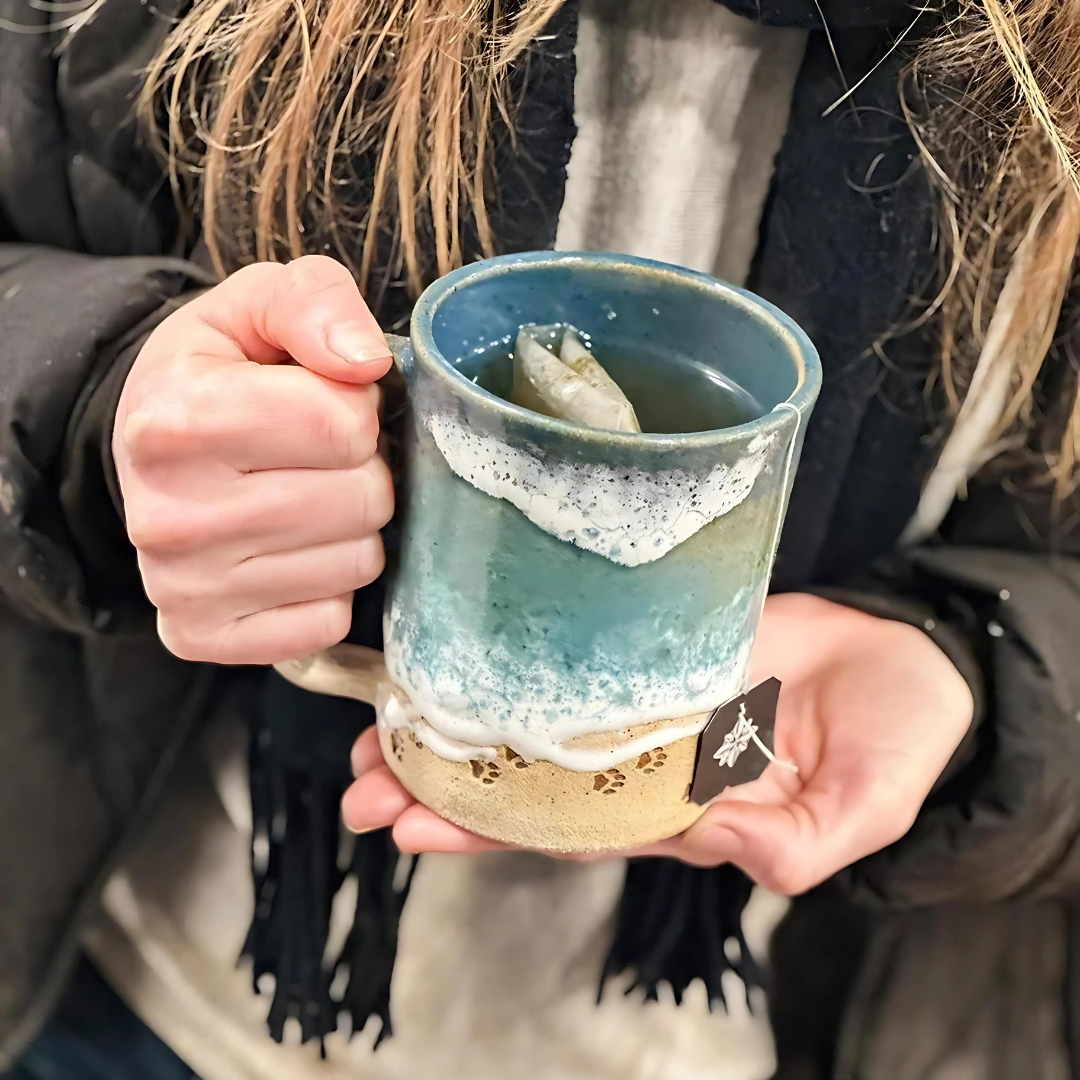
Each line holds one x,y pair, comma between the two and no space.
773,758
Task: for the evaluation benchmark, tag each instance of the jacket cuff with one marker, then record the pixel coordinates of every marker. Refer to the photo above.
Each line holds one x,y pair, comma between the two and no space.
1004,820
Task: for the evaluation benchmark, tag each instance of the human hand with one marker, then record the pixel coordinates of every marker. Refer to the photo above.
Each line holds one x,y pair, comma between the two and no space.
252,487
870,711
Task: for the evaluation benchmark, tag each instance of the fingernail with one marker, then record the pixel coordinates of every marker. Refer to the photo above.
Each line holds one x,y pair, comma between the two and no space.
356,344
362,832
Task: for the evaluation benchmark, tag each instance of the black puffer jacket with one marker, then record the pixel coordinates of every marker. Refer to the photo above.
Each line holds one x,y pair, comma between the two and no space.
903,983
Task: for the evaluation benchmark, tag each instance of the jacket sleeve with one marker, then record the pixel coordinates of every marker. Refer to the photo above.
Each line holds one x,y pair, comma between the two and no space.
70,328
1004,819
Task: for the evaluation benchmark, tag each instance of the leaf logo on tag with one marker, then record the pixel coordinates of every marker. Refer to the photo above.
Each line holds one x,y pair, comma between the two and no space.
737,739
737,743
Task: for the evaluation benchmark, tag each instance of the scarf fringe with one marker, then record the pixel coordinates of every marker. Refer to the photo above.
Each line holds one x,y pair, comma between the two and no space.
677,923
295,797
371,947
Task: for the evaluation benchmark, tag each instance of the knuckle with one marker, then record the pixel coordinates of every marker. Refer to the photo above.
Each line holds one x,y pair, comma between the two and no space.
313,273
170,590
176,423
157,589
201,643
203,395
366,419
378,499
256,275
151,435
243,297
310,292
332,622
184,641
225,646
346,436
313,288
141,524
370,561
163,529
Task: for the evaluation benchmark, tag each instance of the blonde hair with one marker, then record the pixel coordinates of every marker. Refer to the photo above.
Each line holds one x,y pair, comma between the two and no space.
270,112
994,101
363,127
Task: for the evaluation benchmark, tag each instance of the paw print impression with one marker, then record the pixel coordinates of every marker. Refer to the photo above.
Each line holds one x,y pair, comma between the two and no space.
397,745
651,761
607,783
487,772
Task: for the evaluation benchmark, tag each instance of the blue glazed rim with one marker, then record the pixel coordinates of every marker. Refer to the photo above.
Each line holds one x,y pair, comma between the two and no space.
807,363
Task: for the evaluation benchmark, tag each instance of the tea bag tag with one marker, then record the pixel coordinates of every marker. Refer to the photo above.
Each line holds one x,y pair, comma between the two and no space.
737,743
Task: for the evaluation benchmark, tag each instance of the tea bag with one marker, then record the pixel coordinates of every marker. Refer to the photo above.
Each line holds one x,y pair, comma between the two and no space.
570,385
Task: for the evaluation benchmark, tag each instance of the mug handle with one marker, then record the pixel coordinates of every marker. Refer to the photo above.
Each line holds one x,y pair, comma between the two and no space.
397,347
349,671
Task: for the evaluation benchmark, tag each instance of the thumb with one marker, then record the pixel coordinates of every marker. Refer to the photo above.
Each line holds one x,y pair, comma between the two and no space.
779,847
309,310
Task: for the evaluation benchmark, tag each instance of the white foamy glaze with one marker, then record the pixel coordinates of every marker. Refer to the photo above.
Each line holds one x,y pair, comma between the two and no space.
399,714
626,515
468,704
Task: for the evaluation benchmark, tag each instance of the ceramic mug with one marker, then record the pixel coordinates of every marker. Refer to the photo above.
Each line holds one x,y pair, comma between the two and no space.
571,604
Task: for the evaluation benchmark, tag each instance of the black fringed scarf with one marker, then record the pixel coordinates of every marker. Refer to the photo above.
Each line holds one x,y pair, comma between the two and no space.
677,923
299,767
297,782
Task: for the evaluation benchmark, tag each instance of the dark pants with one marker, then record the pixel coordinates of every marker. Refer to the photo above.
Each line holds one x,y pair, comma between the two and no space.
95,1036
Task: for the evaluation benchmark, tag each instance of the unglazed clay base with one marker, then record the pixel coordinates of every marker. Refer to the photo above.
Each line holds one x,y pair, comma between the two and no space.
536,804
540,805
